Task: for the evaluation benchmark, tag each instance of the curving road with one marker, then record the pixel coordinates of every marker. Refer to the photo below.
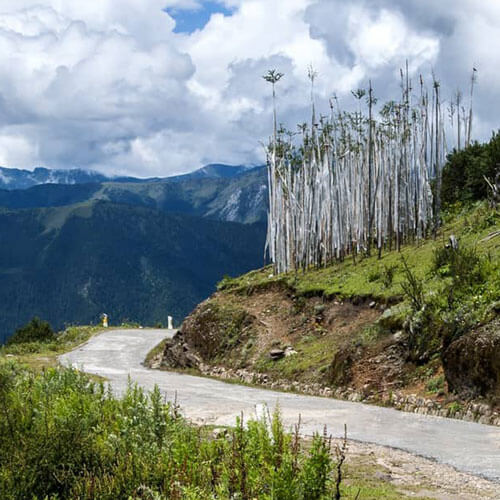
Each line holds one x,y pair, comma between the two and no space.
118,354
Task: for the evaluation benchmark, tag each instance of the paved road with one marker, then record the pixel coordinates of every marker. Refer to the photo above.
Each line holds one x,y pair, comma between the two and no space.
118,354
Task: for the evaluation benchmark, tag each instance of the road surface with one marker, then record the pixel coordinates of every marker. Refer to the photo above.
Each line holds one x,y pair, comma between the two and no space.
118,355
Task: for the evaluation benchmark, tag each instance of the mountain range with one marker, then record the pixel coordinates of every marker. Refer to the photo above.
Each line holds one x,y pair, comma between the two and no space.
138,249
236,194
15,178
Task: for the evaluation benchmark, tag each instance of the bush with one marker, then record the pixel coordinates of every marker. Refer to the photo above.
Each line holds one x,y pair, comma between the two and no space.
388,275
435,384
63,436
464,172
412,287
35,331
468,284
463,265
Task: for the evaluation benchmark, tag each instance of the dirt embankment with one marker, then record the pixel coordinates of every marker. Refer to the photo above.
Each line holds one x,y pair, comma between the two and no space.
354,350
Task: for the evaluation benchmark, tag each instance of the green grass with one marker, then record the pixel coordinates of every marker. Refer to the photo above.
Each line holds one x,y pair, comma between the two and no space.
41,355
313,354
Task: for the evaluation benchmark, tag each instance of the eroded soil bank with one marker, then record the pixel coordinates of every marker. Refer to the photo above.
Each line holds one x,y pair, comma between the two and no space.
354,349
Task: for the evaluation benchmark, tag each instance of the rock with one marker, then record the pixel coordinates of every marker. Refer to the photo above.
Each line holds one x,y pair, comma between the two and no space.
179,355
290,351
383,477
398,335
372,305
155,364
319,310
472,363
339,372
276,354
394,317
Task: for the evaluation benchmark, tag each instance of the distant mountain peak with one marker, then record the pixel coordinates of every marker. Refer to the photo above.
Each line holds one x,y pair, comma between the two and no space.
14,178
215,171
222,170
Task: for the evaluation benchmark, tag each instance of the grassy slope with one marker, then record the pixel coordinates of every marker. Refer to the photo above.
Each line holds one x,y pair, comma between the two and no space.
38,356
365,278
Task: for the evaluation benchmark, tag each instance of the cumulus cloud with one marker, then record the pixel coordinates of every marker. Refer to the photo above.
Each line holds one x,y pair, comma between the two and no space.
109,85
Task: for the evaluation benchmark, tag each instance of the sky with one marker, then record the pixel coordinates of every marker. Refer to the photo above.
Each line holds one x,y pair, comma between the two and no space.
162,87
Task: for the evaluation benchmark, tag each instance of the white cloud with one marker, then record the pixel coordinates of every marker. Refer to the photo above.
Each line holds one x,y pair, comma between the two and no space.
16,149
109,85
386,39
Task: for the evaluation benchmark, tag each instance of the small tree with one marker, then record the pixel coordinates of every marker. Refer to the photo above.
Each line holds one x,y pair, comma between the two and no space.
36,330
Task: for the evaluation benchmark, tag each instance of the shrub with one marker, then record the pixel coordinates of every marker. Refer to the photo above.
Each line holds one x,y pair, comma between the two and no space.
435,385
463,265
63,436
468,284
412,287
464,172
35,331
388,275
373,275
424,339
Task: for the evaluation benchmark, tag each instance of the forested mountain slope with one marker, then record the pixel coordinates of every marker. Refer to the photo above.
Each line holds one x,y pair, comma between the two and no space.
68,264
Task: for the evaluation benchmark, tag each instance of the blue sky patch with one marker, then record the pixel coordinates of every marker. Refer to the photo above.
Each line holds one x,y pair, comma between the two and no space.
187,21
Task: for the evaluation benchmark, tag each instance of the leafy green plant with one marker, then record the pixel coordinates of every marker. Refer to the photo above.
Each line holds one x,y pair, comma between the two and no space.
412,287
454,408
388,275
462,264
373,275
435,385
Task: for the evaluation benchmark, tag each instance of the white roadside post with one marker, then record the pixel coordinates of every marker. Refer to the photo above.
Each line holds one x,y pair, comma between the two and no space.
170,323
104,318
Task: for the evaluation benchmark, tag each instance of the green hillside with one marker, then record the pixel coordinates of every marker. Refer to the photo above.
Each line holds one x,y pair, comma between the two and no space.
69,264
380,278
